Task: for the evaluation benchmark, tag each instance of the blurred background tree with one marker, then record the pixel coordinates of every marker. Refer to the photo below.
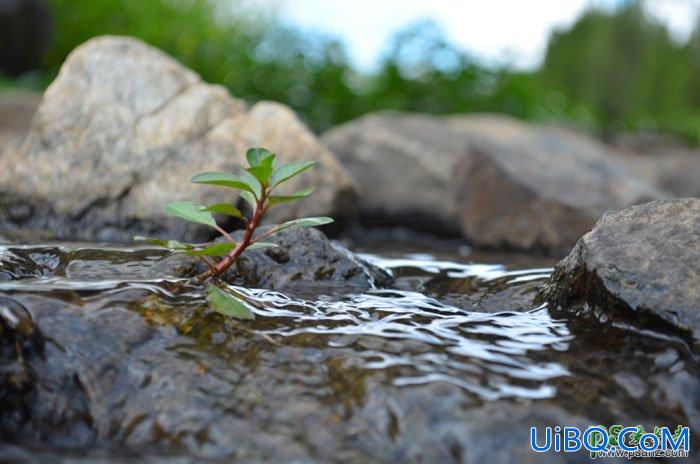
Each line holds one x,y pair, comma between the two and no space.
626,70
611,71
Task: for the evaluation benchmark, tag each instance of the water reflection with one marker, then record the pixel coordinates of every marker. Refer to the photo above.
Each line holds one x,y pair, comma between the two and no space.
449,339
408,336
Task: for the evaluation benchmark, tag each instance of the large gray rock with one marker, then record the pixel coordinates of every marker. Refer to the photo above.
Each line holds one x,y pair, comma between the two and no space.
677,171
642,262
503,182
404,165
648,143
664,160
123,128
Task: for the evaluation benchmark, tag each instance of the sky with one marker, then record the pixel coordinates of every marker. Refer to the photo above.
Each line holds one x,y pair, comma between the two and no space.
511,32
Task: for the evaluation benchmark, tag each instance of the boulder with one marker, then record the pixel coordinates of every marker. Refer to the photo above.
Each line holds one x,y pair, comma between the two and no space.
642,263
403,164
648,143
540,188
663,160
304,261
503,182
123,128
676,172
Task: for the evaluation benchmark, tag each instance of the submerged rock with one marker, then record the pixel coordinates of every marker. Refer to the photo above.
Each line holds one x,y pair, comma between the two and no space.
123,128
180,379
20,342
130,369
503,182
643,262
303,262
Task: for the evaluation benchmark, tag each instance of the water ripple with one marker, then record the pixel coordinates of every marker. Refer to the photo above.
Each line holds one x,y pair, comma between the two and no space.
405,336
487,354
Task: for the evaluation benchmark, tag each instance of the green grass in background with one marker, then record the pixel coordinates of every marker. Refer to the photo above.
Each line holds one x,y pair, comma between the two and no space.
608,73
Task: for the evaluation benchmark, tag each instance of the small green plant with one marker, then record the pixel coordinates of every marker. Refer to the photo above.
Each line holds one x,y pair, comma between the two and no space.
256,186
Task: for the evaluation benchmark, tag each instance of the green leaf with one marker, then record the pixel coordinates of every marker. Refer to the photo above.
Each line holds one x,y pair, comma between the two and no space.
249,198
277,199
253,182
261,173
170,244
259,245
226,304
223,179
260,157
304,222
190,212
217,249
225,208
289,170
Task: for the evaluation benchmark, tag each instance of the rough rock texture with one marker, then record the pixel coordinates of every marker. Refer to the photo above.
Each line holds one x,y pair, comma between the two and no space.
306,261
123,128
119,383
643,261
505,183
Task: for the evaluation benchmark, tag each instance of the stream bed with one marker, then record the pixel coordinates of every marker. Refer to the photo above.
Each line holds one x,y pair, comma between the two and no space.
454,363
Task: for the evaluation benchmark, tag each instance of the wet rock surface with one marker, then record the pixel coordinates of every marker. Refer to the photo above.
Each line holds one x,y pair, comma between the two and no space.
118,363
503,183
642,262
123,128
143,384
303,261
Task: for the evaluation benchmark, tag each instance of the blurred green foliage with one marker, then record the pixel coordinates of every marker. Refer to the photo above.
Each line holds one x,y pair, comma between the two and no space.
610,72
627,72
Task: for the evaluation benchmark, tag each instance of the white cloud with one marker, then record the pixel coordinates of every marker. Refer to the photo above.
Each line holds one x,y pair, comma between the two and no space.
680,15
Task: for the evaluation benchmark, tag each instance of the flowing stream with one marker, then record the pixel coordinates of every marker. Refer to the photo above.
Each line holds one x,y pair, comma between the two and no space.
464,327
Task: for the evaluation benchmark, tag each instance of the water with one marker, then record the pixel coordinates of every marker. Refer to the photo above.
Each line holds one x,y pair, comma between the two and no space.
411,336
471,327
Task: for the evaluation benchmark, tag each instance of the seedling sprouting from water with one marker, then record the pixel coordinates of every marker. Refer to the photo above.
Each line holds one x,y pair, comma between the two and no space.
256,186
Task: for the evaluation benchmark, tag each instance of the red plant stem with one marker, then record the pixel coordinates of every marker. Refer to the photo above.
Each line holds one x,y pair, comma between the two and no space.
224,233
230,258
